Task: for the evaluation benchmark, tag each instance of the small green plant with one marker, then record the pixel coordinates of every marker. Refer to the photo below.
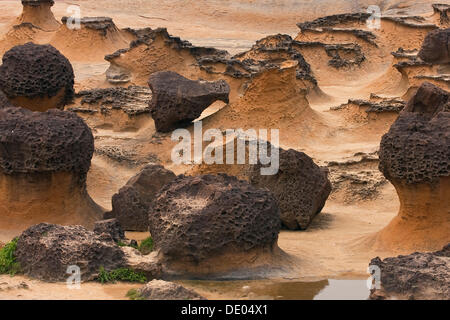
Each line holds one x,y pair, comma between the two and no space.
134,294
123,244
8,263
146,246
121,274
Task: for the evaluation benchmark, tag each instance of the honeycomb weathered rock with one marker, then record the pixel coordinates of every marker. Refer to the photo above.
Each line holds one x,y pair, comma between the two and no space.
37,71
197,218
52,141
417,147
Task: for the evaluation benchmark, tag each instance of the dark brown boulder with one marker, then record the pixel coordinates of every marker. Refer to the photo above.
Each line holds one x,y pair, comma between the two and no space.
417,147
199,218
300,186
131,204
36,142
418,276
436,47
45,251
36,77
111,227
4,102
164,290
176,100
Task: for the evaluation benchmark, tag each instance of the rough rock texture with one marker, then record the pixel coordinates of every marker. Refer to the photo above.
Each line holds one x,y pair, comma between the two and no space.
333,20
37,71
163,290
101,24
111,227
36,3
436,47
196,218
132,100
131,204
369,106
52,141
417,276
417,147
271,52
177,100
300,186
44,251
4,102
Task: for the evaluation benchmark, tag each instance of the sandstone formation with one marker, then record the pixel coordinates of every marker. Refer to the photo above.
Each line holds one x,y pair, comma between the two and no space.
176,100
210,225
418,276
36,77
300,186
131,204
414,157
111,227
45,251
436,47
44,160
164,290
39,14
119,109
156,50
91,40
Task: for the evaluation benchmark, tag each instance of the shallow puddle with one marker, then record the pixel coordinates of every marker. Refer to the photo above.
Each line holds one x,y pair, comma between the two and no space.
331,289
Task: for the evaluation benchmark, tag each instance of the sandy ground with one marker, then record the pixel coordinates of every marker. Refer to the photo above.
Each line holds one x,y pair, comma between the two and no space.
330,248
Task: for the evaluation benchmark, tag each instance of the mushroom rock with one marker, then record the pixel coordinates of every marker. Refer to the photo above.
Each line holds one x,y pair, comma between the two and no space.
418,276
36,77
176,100
131,204
215,226
45,251
44,160
300,186
94,38
436,47
414,157
164,290
39,14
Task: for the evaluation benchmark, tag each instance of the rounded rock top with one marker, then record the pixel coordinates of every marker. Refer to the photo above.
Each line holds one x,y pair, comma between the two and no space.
37,71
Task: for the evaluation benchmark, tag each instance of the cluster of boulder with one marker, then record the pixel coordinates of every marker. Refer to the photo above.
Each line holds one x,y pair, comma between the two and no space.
45,153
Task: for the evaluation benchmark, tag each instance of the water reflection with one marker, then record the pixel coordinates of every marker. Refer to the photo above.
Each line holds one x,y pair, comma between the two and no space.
284,290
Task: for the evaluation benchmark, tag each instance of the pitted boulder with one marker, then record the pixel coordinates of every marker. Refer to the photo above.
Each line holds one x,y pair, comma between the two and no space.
45,251
131,204
300,186
37,142
177,100
418,276
111,227
203,217
417,147
4,102
36,77
436,47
